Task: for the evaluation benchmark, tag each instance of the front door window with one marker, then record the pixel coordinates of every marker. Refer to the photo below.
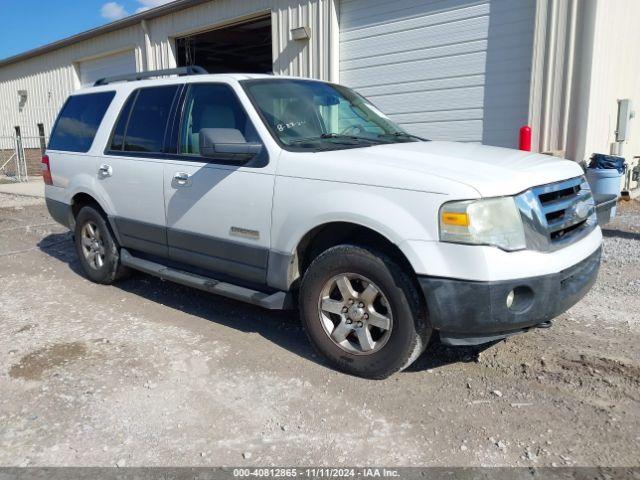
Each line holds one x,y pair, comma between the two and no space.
212,106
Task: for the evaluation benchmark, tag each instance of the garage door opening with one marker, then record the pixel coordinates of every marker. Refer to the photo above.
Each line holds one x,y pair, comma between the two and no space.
242,48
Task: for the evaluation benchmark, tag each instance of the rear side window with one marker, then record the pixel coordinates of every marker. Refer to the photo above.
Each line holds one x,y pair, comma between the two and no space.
117,141
78,122
143,121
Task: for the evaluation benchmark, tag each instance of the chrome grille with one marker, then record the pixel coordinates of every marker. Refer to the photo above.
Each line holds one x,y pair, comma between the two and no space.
557,214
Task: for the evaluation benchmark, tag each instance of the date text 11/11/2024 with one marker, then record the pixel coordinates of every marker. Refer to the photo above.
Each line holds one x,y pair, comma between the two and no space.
322,472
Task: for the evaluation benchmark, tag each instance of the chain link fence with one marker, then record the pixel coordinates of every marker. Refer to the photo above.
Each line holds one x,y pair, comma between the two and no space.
20,157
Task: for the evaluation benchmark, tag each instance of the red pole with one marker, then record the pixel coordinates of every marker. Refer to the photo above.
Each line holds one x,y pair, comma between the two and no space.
525,138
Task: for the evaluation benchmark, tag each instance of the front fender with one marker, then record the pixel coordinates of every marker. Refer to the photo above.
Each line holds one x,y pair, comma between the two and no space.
300,205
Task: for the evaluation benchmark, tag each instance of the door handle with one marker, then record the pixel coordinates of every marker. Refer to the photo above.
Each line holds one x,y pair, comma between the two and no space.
105,170
181,179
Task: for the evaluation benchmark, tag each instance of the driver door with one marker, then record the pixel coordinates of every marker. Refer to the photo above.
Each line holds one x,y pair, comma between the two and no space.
218,213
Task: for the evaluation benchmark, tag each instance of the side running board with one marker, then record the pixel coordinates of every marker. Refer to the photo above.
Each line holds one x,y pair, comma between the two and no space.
274,301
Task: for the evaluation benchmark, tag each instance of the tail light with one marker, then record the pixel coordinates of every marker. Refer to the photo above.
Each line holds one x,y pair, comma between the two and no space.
46,170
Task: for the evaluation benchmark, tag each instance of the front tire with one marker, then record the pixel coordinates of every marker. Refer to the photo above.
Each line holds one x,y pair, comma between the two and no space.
362,312
96,247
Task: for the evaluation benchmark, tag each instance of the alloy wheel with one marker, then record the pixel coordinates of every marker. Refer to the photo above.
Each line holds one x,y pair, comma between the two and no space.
92,245
355,314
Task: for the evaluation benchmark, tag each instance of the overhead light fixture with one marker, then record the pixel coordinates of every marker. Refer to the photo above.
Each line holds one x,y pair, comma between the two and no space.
301,33
22,99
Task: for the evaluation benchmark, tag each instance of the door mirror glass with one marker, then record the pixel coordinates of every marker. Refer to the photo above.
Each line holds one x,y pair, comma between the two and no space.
226,144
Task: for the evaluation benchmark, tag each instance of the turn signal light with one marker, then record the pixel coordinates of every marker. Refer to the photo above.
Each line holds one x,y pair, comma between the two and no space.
457,219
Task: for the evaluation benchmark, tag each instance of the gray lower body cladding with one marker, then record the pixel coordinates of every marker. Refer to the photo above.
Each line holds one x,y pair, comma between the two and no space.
244,262
59,211
470,313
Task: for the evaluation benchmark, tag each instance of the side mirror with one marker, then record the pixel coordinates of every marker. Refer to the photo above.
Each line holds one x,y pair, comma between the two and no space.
227,144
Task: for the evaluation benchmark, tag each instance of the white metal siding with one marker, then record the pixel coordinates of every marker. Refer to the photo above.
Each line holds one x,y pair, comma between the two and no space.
444,69
108,65
48,80
50,77
615,74
588,57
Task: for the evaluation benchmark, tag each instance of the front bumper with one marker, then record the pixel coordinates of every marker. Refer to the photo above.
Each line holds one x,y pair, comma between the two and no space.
471,312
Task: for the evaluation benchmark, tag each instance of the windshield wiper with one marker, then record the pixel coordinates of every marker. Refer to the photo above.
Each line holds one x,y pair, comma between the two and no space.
341,139
312,142
355,138
403,134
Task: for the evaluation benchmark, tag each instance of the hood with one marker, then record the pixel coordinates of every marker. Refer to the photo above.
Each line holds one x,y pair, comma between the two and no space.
490,171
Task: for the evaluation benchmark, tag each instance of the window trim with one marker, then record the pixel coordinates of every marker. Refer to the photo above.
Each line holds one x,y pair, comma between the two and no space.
66,103
171,140
125,153
115,124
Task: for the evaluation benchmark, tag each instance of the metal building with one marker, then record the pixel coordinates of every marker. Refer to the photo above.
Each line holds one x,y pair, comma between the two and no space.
467,70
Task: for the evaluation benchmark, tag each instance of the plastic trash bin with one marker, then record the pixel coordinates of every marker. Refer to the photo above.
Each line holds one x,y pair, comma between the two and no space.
605,207
604,176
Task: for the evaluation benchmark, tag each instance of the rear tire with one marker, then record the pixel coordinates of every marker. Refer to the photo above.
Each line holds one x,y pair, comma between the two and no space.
362,312
96,247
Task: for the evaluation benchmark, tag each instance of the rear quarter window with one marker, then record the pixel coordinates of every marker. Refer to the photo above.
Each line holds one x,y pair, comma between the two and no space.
78,121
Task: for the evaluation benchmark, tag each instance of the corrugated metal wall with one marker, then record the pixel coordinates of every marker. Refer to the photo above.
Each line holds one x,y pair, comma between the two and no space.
50,77
586,57
444,69
615,75
553,74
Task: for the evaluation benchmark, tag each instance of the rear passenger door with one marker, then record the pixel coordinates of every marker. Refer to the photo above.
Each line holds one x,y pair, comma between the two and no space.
218,213
132,168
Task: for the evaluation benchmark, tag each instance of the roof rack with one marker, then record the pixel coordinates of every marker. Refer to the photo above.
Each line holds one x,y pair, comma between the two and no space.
190,70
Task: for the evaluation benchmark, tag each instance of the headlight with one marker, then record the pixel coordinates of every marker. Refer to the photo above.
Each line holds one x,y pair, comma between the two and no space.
491,221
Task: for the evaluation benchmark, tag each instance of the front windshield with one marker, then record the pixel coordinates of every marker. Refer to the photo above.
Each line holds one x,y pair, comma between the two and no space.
305,114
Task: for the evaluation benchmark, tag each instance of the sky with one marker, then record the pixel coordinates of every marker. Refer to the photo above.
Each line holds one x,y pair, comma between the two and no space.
27,24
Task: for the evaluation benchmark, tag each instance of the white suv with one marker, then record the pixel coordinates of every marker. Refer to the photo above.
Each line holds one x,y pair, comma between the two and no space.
287,192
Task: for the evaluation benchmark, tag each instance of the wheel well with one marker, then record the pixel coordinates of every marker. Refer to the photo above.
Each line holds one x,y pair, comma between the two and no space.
329,235
80,200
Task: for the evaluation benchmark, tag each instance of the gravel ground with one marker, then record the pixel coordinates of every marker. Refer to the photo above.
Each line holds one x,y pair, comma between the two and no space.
151,373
